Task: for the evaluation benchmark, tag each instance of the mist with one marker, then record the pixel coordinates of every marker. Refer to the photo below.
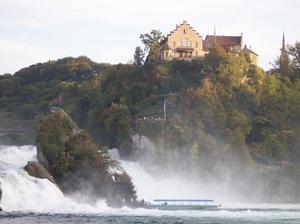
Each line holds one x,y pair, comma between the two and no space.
219,174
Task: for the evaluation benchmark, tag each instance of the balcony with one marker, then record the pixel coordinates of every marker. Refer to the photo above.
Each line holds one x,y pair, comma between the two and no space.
185,49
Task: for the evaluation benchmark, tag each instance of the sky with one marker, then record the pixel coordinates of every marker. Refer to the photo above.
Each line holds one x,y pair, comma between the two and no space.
33,31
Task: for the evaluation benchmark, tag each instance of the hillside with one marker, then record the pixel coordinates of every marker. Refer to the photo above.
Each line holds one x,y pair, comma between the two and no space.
221,110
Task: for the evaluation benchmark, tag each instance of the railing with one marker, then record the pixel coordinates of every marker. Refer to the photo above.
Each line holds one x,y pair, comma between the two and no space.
184,49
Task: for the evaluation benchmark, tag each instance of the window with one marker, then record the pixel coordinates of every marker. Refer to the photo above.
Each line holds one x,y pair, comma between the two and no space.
174,44
183,43
184,31
196,44
196,53
167,54
186,43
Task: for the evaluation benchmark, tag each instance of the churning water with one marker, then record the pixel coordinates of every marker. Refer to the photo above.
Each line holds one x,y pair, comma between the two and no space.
30,200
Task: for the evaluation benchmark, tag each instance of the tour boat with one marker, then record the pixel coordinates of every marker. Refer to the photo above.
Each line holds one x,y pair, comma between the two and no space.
182,204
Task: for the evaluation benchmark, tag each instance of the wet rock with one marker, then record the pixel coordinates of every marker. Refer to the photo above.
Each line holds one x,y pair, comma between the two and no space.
0,192
36,169
0,197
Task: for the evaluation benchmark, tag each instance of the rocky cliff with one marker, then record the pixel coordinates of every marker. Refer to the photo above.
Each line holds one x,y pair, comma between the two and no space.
78,166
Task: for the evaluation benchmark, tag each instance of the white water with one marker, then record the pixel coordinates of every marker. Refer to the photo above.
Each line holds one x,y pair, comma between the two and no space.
150,187
24,193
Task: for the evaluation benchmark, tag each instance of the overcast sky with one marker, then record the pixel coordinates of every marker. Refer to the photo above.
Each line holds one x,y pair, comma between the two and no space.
33,31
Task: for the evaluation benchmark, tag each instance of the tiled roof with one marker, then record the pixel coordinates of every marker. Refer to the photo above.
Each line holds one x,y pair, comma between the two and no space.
224,40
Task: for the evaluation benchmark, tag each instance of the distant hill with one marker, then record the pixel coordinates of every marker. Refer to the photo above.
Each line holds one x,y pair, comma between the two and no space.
221,108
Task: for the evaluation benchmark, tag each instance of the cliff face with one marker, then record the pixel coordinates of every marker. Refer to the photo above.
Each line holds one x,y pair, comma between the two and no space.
78,166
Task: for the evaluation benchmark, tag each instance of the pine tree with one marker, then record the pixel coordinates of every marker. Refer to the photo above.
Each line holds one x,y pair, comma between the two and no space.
139,55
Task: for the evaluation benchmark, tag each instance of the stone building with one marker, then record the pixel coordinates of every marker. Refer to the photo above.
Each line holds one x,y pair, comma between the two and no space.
185,43
182,43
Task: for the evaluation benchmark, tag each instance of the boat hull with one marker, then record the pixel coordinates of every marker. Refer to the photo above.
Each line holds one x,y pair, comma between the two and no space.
182,207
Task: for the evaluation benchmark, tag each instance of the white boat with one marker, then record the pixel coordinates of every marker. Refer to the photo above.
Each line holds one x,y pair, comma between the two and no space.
182,204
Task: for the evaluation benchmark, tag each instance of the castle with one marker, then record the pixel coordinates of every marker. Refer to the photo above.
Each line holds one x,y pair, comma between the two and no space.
185,43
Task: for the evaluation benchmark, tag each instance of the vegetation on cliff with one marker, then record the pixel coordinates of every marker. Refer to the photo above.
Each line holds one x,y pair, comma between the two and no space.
220,108
78,165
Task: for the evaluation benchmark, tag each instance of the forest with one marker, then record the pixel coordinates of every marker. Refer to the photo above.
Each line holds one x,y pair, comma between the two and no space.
220,106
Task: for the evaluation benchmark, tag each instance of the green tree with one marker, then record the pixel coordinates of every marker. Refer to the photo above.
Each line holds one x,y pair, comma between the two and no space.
139,55
117,121
215,56
294,52
152,43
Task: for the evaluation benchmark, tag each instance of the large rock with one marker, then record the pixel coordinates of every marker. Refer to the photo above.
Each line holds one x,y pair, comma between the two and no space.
0,192
36,169
78,166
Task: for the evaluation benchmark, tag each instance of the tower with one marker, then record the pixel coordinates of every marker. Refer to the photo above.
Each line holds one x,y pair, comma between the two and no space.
215,37
283,50
284,60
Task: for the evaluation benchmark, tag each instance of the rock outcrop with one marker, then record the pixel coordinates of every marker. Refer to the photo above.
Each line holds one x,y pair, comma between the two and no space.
36,169
0,196
78,166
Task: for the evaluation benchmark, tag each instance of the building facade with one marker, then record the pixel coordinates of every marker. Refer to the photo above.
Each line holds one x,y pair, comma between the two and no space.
185,43
182,43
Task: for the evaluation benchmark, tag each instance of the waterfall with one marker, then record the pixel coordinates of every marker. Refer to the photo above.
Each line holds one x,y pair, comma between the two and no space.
150,186
21,192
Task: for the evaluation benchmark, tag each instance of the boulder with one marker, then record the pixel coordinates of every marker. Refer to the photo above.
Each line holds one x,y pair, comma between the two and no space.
78,166
36,169
0,197
0,192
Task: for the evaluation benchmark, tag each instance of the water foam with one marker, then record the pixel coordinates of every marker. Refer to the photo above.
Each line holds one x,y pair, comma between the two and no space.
22,192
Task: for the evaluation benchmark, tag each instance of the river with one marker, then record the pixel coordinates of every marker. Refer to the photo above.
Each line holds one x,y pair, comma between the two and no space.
29,200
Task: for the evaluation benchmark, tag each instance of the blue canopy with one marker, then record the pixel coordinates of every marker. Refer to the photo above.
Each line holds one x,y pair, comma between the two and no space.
183,200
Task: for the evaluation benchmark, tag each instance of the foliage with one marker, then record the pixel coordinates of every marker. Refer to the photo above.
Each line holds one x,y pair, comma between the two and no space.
220,98
138,57
76,163
152,43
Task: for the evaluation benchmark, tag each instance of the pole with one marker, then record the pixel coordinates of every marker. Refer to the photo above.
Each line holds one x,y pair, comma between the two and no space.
165,109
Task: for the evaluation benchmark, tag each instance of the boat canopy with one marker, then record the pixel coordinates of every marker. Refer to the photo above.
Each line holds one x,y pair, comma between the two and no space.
190,200
182,201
